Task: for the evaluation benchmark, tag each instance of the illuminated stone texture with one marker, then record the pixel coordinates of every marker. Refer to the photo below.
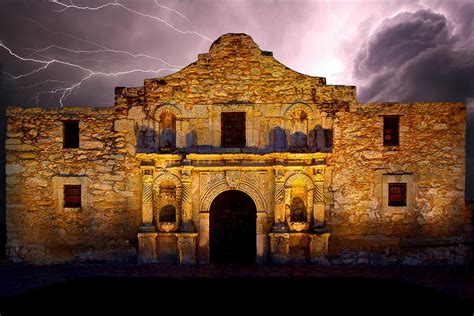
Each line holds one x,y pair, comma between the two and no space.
314,165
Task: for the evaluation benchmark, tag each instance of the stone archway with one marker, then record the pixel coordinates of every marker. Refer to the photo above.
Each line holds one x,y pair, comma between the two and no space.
232,229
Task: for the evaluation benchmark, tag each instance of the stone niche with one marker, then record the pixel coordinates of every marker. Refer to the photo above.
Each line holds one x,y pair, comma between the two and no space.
298,202
167,203
303,201
167,131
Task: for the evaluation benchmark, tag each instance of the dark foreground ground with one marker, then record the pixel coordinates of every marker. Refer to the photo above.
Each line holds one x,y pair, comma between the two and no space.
247,290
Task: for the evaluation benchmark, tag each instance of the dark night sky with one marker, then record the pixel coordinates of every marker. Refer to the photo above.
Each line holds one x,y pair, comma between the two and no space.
75,52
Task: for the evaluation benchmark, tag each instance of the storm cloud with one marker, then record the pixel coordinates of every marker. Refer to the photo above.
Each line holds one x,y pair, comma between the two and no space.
415,56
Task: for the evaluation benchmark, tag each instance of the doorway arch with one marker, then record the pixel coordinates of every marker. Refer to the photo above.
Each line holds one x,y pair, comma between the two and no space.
233,228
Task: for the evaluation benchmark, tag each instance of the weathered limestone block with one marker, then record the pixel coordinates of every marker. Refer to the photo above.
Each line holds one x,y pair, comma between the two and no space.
203,244
279,247
299,248
147,249
92,144
318,248
167,245
187,246
13,168
124,125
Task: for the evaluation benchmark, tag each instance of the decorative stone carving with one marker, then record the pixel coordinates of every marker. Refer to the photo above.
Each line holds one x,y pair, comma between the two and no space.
280,175
147,192
298,226
299,199
147,201
187,216
167,108
233,178
319,176
186,194
215,187
166,116
167,226
279,192
166,176
167,190
208,179
279,202
289,110
299,178
319,192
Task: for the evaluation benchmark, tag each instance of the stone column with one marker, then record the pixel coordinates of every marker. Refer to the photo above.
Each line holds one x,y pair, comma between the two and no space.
187,248
186,203
318,204
279,247
147,250
279,196
203,246
147,202
262,237
318,248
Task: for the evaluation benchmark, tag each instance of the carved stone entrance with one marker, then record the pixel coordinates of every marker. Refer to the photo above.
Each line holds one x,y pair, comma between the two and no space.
233,216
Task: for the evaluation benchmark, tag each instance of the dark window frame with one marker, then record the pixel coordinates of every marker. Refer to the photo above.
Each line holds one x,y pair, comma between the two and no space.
72,196
233,129
391,130
397,194
71,133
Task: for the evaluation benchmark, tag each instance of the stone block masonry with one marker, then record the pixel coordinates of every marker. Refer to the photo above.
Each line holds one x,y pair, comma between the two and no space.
328,180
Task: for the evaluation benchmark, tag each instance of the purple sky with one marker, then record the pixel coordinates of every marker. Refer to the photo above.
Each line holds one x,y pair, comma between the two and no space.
391,50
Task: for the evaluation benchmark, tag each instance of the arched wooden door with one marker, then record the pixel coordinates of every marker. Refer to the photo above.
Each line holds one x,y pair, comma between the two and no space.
233,228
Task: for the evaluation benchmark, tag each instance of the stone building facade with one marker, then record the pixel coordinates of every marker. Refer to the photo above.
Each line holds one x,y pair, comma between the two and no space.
237,158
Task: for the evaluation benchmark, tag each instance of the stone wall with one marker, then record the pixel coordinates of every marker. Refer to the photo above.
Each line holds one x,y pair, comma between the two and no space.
344,184
430,158
234,76
39,228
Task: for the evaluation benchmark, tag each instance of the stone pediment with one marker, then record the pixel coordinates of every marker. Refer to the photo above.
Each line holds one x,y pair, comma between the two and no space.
235,52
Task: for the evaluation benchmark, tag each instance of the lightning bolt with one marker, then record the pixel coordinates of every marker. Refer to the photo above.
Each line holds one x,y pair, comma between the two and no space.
37,51
63,89
66,91
177,12
101,50
117,4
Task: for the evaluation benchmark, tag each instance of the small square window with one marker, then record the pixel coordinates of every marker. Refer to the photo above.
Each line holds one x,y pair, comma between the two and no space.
72,195
391,130
397,194
70,134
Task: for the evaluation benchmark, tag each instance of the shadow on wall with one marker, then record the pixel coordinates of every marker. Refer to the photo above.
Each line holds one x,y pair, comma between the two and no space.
280,140
3,124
